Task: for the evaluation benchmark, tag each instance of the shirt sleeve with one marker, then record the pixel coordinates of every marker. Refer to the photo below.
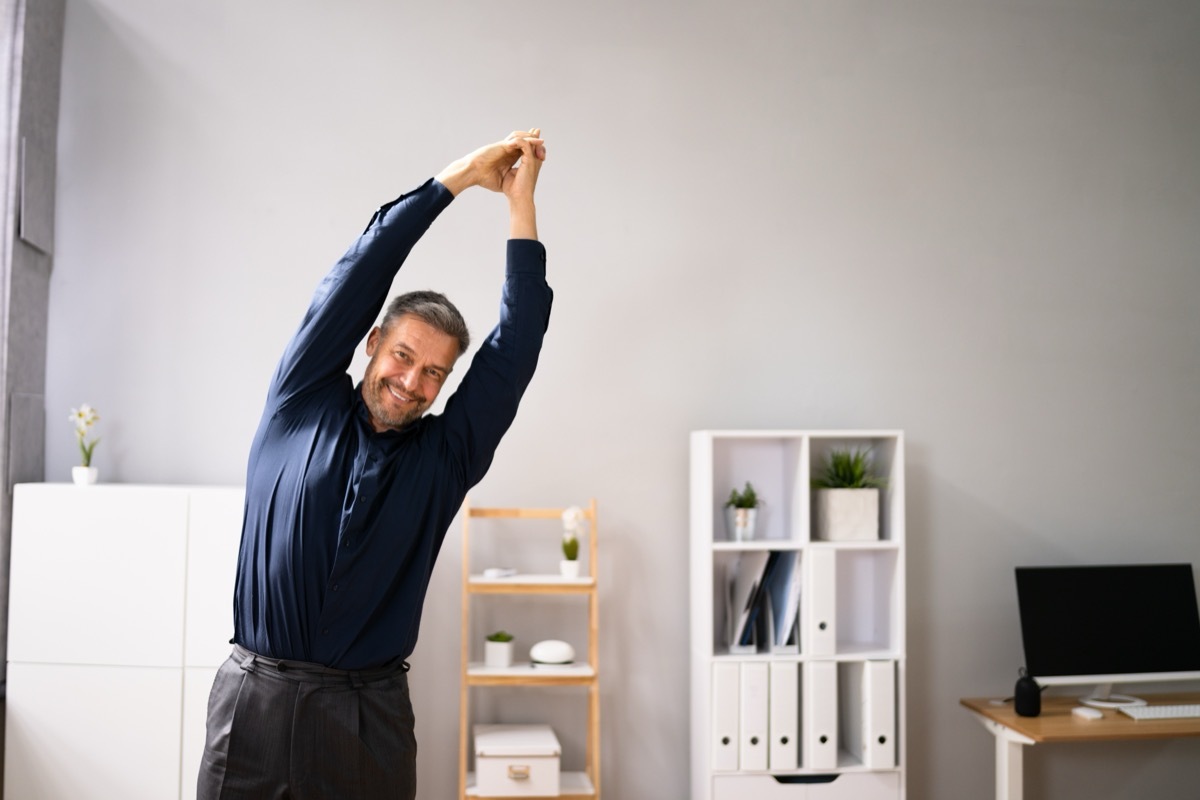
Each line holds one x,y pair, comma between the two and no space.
485,404
349,299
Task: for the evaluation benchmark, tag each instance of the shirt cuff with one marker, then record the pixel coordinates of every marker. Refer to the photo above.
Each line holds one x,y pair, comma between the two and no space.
526,257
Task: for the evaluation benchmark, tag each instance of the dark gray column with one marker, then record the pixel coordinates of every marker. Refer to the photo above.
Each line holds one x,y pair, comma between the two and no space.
31,36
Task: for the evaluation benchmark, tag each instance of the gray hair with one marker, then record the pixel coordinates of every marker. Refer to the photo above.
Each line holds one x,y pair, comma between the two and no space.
432,308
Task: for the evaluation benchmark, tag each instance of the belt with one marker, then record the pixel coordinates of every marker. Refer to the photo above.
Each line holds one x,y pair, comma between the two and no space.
307,671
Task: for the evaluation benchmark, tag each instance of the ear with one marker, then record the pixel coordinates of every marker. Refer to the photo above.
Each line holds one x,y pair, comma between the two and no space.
373,341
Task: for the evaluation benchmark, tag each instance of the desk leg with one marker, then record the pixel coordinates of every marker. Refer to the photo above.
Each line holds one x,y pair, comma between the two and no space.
1010,767
1010,759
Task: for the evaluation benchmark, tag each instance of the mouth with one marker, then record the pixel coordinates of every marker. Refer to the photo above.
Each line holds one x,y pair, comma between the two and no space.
399,396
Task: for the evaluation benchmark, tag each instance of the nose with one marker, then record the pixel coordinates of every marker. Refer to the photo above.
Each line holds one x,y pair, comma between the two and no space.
409,379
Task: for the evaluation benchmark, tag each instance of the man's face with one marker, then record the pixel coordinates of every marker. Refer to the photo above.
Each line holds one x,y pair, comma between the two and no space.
408,366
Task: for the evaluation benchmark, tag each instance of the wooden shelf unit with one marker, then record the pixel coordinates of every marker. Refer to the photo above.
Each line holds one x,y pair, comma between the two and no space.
574,785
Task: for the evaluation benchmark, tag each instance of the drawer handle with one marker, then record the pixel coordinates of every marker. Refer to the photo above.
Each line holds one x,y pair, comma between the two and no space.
518,772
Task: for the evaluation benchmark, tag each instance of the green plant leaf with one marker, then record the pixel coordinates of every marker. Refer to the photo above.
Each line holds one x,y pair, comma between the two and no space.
747,498
849,469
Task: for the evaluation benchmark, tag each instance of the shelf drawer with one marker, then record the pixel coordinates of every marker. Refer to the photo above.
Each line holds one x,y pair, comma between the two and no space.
847,786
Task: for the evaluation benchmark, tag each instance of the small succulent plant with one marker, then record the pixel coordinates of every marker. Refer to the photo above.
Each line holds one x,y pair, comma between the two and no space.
747,498
849,469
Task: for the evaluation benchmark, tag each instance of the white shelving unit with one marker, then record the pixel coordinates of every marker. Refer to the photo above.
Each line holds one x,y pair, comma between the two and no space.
826,722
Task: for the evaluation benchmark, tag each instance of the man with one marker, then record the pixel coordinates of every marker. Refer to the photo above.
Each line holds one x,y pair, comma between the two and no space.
349,493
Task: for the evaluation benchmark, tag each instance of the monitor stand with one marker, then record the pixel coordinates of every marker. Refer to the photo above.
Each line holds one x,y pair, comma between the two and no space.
1102,697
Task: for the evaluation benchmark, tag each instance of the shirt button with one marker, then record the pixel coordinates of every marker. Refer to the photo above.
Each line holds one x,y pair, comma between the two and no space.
335,587
349,542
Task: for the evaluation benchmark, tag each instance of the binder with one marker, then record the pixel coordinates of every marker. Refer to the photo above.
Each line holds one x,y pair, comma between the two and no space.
868,701
753,735
725,717
820,702
784,715
821,618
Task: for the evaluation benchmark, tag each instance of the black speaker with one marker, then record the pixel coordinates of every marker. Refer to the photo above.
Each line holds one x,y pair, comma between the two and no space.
1027,696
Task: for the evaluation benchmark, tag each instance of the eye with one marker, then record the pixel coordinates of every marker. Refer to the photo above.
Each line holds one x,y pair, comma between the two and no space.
435,374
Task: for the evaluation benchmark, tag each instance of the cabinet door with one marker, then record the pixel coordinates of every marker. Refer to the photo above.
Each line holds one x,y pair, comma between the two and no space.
97,575
102,733
214,533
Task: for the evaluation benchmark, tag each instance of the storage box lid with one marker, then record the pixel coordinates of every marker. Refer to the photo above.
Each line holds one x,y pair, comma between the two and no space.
515,740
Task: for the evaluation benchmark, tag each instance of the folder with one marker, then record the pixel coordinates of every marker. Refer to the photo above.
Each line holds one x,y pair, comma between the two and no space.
784,715
754,734
725,717
744,601
821,617
820,702
782,593
868,718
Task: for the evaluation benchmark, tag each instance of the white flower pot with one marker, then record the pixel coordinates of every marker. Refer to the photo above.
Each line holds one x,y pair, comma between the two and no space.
569,569
740,522
85,476
497,654
846,515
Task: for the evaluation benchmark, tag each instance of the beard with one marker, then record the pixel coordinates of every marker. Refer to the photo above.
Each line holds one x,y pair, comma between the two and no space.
383,405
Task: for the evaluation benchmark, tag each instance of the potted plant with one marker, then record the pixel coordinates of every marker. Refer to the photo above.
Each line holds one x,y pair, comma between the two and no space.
84,418
498,650
846,498
572,524
741,513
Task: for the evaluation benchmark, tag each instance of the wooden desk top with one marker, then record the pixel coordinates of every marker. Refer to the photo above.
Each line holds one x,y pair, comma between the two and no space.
1056,723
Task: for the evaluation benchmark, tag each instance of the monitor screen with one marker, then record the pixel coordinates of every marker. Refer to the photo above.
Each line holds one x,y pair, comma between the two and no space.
1119,622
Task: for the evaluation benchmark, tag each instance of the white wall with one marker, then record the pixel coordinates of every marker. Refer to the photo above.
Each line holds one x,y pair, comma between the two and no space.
974,220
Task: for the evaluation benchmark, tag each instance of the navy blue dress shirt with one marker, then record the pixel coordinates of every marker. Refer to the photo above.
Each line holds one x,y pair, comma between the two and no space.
343,524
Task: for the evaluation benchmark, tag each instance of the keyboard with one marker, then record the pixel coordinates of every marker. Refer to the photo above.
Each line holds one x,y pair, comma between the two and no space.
1182,711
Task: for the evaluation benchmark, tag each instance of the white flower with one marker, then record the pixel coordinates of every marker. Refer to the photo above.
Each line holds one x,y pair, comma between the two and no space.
572,520
84,417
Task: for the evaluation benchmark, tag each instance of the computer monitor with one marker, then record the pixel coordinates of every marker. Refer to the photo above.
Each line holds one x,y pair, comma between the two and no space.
1102,625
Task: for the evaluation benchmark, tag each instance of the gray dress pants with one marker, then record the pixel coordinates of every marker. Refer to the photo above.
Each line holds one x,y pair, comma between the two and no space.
291,730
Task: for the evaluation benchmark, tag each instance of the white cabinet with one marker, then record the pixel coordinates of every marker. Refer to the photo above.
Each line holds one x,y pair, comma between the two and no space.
833,692
96,575
121,609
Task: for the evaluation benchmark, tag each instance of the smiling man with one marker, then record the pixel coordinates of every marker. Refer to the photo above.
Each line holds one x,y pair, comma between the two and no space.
349,493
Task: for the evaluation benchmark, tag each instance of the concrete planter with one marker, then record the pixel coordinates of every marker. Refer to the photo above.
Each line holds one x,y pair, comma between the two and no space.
846,515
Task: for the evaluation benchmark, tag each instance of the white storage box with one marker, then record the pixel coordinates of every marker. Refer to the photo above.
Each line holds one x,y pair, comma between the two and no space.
516,761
